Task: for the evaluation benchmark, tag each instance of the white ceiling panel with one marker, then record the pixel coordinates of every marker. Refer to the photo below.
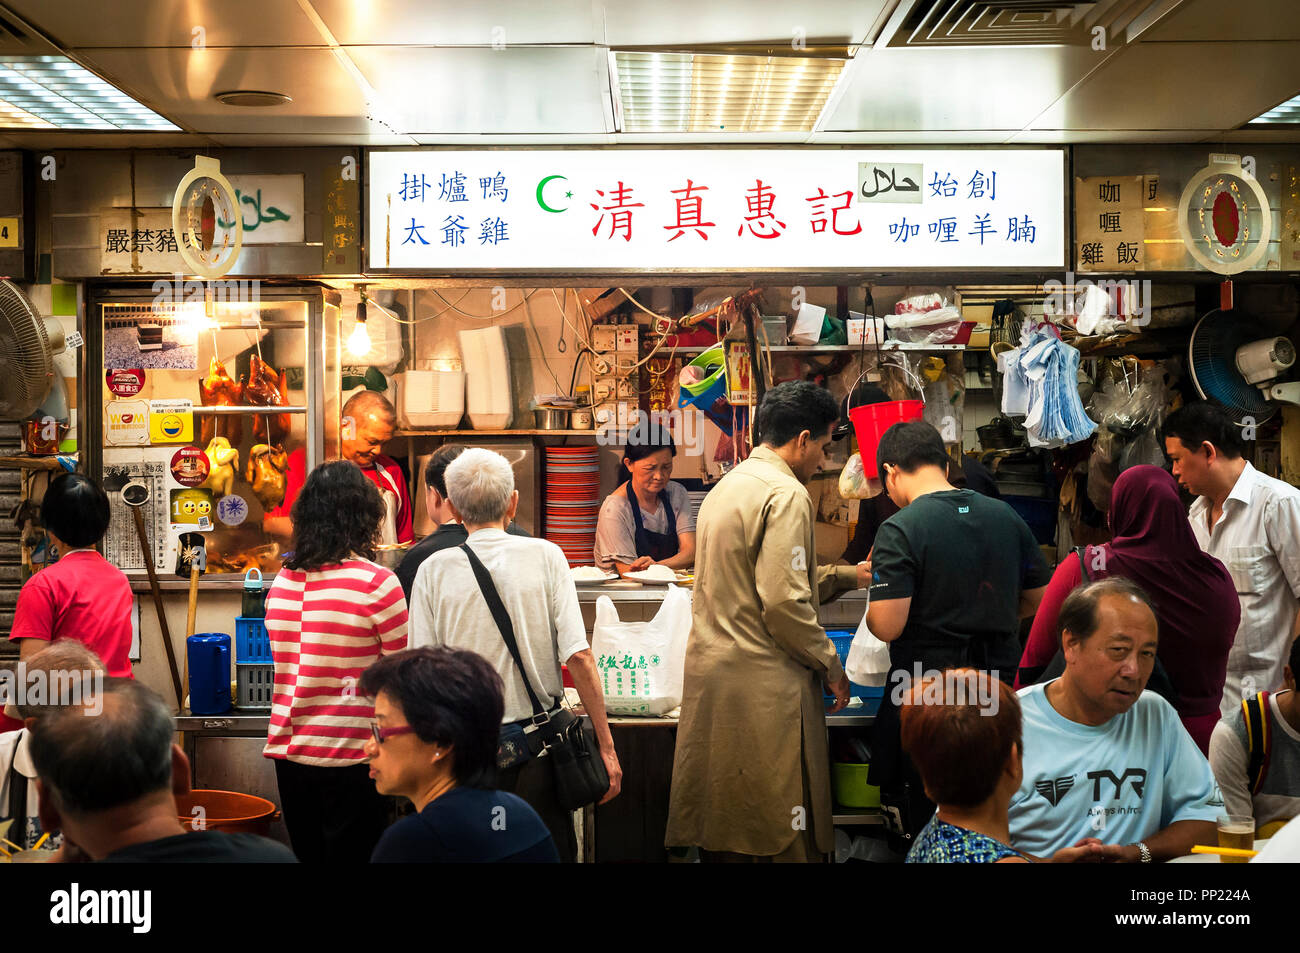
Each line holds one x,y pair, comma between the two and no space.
932,89
1062,136
112,23
912,137
518,90
180,84
691,22
1216,21
1180,86
106,140
269,139
443,23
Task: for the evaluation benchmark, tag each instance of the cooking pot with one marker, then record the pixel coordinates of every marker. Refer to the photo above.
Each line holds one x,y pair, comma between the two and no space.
551,418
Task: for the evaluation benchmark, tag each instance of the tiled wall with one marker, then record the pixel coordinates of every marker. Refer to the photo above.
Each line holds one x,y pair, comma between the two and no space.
981,407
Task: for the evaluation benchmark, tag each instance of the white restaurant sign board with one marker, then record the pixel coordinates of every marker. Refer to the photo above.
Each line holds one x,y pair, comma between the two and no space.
634,210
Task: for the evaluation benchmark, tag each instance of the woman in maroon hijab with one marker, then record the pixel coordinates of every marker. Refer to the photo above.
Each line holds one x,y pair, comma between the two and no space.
1196,602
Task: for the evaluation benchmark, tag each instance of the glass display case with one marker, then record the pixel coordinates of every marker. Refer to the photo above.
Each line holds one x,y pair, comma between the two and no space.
206,397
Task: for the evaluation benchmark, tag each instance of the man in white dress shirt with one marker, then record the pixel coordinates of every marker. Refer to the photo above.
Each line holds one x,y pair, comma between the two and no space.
1250,523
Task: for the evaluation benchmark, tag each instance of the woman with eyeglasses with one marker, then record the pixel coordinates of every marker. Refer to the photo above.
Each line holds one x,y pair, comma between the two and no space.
648,519
331,612
434,741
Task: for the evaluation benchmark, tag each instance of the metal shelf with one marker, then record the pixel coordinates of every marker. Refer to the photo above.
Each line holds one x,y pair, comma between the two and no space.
866,816
842,720
442,432
841,348
251,409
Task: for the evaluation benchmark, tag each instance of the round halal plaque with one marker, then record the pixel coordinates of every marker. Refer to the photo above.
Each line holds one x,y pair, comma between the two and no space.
1224,218
206,219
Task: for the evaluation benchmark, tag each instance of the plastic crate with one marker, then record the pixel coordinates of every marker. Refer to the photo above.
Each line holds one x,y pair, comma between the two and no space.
252,643
254,685
1039,515
842,639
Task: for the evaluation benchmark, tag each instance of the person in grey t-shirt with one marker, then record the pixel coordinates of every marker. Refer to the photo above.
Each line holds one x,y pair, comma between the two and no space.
649,518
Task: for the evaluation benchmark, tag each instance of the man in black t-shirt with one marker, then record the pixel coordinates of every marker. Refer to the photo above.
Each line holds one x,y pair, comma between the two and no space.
449,533
109,773
873,512
952,574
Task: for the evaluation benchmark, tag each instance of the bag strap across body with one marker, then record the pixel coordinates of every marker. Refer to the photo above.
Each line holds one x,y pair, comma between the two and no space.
502,618
1259,738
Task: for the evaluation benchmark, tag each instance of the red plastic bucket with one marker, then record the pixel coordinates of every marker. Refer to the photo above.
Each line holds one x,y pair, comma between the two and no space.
872,420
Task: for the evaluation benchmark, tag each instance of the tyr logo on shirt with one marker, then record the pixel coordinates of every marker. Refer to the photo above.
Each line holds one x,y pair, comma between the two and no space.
1054,790
1137,776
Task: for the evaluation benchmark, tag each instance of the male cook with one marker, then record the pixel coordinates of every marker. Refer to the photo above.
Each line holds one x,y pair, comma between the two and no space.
368,422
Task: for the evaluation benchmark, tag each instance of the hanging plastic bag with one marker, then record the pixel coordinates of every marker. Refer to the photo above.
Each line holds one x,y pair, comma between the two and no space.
641,664
853,481
868,660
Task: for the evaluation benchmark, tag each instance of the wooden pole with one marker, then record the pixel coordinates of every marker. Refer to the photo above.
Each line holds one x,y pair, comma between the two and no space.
158,606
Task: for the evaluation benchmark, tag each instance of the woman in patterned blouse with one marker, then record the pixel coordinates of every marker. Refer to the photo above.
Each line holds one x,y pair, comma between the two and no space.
962,731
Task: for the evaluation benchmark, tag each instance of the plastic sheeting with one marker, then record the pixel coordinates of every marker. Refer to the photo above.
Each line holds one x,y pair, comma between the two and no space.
1041,382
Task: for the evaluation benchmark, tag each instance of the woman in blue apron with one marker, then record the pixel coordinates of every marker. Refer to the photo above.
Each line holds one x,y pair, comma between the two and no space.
649,518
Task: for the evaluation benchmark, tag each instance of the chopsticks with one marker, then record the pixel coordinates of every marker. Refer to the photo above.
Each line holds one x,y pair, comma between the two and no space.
1224,851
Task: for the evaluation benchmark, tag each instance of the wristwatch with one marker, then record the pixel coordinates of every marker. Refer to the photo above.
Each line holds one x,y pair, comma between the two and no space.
1145,851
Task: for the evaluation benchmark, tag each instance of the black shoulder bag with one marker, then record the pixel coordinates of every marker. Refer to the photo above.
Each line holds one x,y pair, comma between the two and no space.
580,775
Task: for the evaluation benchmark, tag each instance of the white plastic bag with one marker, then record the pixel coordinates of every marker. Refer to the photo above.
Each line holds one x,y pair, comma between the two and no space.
868,661
641,664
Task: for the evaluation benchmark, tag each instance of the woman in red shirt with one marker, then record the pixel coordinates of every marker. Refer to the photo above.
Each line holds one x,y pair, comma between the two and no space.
330,614
82,596
1194,596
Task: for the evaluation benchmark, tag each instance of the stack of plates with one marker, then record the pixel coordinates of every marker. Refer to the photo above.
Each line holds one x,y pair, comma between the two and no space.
572,494
697,497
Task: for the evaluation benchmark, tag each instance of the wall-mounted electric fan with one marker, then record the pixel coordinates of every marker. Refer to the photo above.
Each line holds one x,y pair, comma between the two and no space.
1235,363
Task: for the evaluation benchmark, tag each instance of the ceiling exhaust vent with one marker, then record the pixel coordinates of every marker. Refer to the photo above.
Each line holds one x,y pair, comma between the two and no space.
991,23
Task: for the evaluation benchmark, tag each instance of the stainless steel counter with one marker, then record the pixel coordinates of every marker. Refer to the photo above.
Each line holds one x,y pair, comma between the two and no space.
233,723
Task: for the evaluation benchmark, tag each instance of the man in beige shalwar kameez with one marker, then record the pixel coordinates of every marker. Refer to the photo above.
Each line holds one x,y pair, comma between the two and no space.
751,775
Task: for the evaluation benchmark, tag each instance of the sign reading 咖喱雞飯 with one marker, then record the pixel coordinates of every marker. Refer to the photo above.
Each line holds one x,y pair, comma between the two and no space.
716,209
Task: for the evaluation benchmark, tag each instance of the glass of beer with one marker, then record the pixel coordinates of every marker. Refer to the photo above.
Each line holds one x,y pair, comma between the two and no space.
1236,831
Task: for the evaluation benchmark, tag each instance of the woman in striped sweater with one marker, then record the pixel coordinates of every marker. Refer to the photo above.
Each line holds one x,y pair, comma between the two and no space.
331,612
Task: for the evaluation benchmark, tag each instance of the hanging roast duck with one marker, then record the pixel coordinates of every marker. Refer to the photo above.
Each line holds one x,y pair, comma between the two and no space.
267,388
219,389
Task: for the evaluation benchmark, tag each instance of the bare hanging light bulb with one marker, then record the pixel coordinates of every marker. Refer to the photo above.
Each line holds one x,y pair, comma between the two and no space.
359,339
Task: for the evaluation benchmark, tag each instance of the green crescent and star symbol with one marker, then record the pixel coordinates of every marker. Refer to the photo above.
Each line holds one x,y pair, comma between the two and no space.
541,197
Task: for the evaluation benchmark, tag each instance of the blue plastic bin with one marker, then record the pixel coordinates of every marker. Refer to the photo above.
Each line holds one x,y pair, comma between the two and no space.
252,644
842,639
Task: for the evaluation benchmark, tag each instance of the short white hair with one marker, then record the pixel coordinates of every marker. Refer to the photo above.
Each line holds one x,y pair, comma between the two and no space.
479,484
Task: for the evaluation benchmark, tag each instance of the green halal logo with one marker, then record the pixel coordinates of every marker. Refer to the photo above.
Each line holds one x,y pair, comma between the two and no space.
555,193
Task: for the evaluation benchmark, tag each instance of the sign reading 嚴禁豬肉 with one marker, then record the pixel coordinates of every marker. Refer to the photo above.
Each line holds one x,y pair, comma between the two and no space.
142,241
716,210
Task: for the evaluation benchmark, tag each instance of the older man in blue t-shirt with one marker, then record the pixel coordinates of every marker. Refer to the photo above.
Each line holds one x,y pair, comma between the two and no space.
1105,762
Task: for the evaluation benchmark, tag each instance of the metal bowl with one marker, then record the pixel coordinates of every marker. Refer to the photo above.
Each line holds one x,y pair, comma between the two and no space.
551,418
